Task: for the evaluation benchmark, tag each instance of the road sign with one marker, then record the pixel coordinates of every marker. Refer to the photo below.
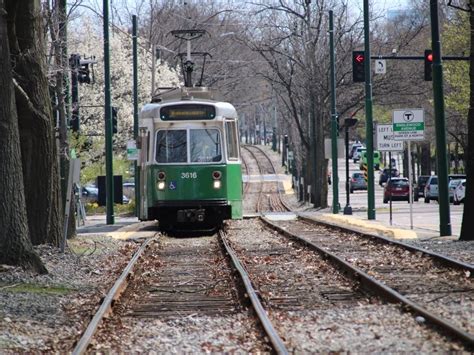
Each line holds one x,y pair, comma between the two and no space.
385,141
132,151
380,66
408,124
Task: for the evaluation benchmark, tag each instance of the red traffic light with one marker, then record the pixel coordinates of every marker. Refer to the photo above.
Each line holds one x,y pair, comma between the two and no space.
359,58
429,57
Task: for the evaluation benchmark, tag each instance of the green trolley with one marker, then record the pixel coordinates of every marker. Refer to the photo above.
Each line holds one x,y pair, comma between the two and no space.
189,161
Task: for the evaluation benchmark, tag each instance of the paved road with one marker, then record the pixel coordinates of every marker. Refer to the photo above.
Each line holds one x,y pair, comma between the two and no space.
425,215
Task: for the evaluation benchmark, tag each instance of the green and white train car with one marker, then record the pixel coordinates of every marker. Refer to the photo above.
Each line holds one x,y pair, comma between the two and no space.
189,161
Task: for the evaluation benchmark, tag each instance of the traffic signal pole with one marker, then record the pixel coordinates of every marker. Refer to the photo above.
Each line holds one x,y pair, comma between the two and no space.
369,118
440,124
109,172
335,177
135,107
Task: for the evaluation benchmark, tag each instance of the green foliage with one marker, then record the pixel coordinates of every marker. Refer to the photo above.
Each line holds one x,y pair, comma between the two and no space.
456,40
380,113
94,208
121,166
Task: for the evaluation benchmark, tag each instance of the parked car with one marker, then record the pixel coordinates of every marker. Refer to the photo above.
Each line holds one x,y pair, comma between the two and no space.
90,194
129,189
385,175
354,148
357,182
431,188
459,192
397,189
420,186
357,154
451,187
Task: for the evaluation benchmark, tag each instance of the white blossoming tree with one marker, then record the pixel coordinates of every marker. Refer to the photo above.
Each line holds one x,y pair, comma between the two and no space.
86,41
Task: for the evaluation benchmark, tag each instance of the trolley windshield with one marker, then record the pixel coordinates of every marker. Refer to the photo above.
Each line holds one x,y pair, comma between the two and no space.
204,146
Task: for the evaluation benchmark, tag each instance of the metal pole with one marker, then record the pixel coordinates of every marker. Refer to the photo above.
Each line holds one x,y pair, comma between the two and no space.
368,117
135,108
153,69
390,191
440,124
348,208
75,118
410,186
109,171
335,178
274,138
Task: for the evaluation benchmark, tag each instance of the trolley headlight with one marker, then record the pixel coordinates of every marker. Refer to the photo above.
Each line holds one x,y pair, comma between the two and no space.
161,185
161,176
216,175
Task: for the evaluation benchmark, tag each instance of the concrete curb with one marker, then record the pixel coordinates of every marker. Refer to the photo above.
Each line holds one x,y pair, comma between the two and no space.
133,231
347,221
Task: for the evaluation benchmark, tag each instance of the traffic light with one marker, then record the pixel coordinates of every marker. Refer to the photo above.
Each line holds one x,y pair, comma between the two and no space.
114,119
74,121
83,75
358,66
428,65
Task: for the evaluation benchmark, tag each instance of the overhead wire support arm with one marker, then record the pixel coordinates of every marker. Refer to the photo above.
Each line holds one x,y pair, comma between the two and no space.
416,57
188,65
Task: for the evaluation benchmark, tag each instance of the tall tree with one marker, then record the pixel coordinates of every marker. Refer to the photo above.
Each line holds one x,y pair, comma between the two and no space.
15,245
468,215
38,147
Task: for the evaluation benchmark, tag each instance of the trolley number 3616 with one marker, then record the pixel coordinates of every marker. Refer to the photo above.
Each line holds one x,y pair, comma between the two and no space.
189,175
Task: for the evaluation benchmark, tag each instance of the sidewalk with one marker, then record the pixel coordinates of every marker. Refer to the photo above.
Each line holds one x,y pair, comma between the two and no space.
358,220
123,228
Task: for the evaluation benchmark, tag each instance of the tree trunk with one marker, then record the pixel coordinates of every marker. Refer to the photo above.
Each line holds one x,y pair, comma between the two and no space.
15,245
36,123
468,215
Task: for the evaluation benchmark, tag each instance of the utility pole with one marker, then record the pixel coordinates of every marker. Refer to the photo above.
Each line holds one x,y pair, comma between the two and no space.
440,123
109,171
368,117
135,107
334,118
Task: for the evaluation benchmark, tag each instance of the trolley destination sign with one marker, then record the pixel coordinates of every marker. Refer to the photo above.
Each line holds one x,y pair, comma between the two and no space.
408,124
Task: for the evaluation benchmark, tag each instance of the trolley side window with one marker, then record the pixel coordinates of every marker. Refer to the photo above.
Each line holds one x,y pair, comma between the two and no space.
171,146
205,145
232,140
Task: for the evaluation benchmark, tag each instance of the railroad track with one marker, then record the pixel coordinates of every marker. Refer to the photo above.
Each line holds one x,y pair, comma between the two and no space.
438,289
269,195
184,278
179,280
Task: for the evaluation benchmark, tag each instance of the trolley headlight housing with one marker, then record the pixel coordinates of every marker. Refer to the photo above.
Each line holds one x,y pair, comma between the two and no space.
216,175
161,183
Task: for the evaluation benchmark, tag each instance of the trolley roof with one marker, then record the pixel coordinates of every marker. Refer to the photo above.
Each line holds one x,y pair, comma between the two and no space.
187,96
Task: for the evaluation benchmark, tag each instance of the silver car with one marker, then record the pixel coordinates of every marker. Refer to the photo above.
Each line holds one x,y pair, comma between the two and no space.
357,182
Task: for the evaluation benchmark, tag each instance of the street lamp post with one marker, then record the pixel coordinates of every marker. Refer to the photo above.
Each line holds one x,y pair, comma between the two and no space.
348,123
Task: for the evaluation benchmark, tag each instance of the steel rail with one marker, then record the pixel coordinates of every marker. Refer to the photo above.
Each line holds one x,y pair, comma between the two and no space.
381,289
106,305
247,184
439,257
259,200
270,331
285,206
